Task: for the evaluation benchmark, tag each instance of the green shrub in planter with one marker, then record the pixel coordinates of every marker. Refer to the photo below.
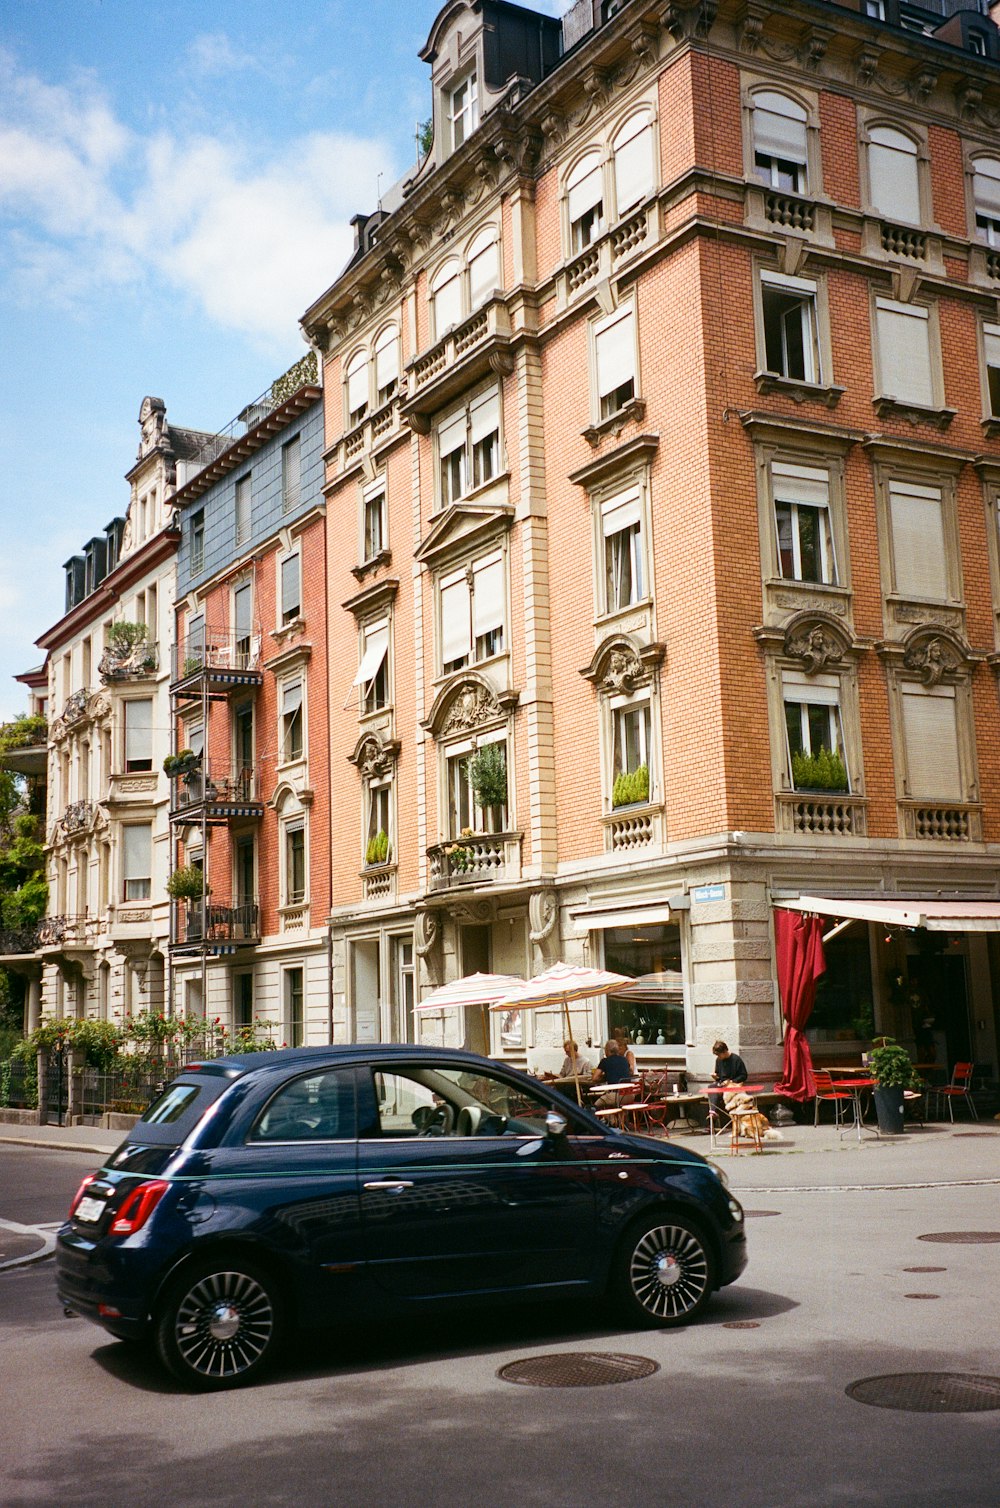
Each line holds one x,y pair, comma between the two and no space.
889,1065
824,771
631,788
186,883
488,775
377,849
181,762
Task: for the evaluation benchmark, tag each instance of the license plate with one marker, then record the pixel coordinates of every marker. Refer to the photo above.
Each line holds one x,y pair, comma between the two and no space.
89,1209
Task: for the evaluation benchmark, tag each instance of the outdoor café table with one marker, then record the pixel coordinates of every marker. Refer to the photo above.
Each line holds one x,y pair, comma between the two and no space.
855,1086
711,1089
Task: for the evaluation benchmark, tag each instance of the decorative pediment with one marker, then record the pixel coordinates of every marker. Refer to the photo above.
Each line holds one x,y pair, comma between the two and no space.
375,599
467,704
818,641
621,665
932,654
374,757
463,527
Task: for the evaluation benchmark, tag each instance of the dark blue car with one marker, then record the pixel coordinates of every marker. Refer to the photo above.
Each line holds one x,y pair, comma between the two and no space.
270,1191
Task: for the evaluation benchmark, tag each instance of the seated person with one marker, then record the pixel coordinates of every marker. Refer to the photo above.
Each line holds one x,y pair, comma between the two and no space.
612,1069
624,1047
729,1067
573,1065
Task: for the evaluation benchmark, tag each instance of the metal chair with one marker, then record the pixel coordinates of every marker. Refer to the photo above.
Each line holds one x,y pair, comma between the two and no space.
827,1092
960,1088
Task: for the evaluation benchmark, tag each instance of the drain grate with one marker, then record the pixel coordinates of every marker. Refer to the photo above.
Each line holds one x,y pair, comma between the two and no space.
758,1214
962,1237
577,1369
925,1269
741,1325
959,1135
929,1392
921,1295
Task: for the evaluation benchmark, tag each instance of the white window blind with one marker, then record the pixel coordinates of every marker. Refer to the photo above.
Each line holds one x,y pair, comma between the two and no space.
779,127
800,484
376,645
451,435
484,267
918,540
904,351
447,292
986,187
814,691
991,345
138,731
243,610
291,697
620,513
484,416
357,383
387,359
291,474
633,149
931,732
291,596
456,642
585,186
137,858
893,175
487,599
614,344
242,509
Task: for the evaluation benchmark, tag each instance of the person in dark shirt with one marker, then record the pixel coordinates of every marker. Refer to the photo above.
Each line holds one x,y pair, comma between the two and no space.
729,1067
612,1069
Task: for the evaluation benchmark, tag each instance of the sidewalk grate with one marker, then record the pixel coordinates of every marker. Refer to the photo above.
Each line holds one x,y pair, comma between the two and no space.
929,1392
577,1369
962,1237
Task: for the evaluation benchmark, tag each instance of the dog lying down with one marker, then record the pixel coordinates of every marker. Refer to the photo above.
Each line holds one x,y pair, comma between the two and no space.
751,1118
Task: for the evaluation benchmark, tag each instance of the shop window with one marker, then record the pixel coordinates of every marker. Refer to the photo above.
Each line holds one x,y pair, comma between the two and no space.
652,1013
843,1010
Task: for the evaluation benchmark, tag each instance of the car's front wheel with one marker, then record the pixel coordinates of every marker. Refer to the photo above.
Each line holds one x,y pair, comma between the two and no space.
220,1324
665,1272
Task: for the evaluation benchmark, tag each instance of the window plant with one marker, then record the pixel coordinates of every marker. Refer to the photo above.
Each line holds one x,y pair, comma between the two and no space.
377,849
186,883
823,771
631,787
488,778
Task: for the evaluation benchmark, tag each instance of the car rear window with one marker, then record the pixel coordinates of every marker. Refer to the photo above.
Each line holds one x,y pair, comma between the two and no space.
173,1115
171,1105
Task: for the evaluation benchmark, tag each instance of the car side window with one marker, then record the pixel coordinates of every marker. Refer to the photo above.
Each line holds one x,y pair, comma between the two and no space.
316,1107
438,1100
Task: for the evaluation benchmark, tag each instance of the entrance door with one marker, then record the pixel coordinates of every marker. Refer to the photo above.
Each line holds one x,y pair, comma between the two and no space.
475,955
940,984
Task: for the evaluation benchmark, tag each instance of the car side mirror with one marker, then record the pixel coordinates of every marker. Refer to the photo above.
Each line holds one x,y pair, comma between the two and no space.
556,1124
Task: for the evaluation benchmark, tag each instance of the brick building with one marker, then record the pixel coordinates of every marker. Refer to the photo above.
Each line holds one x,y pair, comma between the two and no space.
662,410
250,763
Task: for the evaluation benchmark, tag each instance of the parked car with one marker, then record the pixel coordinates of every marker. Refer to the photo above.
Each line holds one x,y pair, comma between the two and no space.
268,1191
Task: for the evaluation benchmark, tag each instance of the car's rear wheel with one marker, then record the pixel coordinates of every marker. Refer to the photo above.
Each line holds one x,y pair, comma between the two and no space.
220,1324
664,1272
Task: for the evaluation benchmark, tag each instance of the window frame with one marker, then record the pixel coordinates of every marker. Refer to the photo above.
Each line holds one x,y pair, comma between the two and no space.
143,881
285,617
291,477
294,1026
602,399
373,503
293,753
781,477
468,113
646,115
586,228
814,348
243,507
144,764
466,453
988,234
877,122
926,311
627,495
803,178
491,557
826,691
458,752
890,472
375,692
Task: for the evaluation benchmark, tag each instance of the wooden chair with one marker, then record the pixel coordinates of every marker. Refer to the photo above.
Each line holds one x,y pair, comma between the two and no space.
827,1092
960,1088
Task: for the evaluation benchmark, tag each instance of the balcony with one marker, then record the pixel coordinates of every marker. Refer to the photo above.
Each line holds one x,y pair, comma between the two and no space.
62,931
630,829
129,662
25,749
475,859
368,437
473,349
220,791
941,823
215,661
821,814
202,926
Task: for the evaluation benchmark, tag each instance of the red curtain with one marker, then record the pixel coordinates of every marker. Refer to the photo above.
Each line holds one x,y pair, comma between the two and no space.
799,945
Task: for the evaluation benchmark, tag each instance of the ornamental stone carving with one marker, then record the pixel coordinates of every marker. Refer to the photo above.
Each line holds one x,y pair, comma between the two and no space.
77,817
374,757
933,658
427,933
620,666
543,913
473,705
816,646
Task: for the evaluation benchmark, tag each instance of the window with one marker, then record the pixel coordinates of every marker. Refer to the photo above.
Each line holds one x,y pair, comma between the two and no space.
317,1108
621,533
779,142
894,175
243,623
790,336
814,733
139,734
356,380
291,588
245,872
463,110
875,9
986,196
977,43
378,846
991,353
903,337
441,1100
484,267
654,1015
243,1002
446,297
295,1035
373,670
919,550
930,732
295,862
469,447
291,721
373,521
386,364
464,812
631,742
802,522
614,360
291,474
632,146
243,509
196,540
137,860
473,614
585,201
243,748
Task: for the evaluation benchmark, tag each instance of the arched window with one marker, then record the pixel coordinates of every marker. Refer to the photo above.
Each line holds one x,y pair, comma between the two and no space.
446,297
986,194
780,157
894,174
386,364
484,266
633,149
585,194
356,379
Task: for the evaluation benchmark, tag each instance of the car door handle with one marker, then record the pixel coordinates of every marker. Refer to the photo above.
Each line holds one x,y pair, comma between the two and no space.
396,1186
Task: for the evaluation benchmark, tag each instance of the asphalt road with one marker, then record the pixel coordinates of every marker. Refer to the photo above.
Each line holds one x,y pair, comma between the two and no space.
417,1415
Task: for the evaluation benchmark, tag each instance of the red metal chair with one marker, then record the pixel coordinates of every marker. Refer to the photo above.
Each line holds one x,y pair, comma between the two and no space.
960,1088
827,1092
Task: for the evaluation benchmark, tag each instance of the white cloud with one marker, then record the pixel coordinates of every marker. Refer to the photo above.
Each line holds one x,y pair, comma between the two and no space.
213,54
250,239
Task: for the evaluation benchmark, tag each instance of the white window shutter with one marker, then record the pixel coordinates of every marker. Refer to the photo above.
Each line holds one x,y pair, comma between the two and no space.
633,148
918,540
893,175
931,732
487,600
904,350
585,186
800,484
779,127
456,641
615,348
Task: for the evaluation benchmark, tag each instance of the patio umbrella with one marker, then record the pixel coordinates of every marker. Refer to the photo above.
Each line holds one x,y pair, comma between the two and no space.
558,985
472,990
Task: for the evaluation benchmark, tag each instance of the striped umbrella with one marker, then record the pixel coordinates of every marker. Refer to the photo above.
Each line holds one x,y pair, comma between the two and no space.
474,990
558,985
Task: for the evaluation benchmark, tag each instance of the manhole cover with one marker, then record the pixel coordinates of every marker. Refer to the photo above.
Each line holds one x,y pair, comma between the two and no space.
929,1392
961,1237
741,1325
921,1295
925,1269
959,1135
578,1369
758,1214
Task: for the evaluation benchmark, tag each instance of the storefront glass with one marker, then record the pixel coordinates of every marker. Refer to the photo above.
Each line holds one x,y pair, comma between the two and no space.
654,1015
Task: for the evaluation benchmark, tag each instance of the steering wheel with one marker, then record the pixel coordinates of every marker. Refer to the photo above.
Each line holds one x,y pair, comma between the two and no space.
439,1122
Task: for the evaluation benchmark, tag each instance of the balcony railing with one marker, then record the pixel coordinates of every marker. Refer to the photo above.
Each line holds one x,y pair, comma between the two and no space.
472,349
56,931
790,212
942,823
206,926
129,662
822,814
218,655
475,859
225,790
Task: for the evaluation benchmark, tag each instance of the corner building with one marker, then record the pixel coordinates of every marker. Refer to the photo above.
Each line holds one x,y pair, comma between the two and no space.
662,405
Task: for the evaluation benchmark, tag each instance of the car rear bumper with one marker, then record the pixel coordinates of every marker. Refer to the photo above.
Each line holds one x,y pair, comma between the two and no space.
95,1283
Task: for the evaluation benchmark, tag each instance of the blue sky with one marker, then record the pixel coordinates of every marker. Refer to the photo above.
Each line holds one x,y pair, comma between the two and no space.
176,182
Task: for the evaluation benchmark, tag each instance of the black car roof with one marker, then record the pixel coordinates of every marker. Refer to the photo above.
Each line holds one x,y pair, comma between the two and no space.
338,1052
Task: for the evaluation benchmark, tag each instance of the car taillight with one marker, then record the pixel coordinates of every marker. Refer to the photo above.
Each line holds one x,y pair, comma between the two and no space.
138,1207
80,1193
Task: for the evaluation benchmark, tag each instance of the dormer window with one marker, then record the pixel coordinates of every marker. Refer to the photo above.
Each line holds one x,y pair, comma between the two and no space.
463,110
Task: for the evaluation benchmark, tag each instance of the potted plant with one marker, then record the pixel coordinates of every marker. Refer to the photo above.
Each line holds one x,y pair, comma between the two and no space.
890,1067
631,787
488,778
823,771
186,883
181,763
377,849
